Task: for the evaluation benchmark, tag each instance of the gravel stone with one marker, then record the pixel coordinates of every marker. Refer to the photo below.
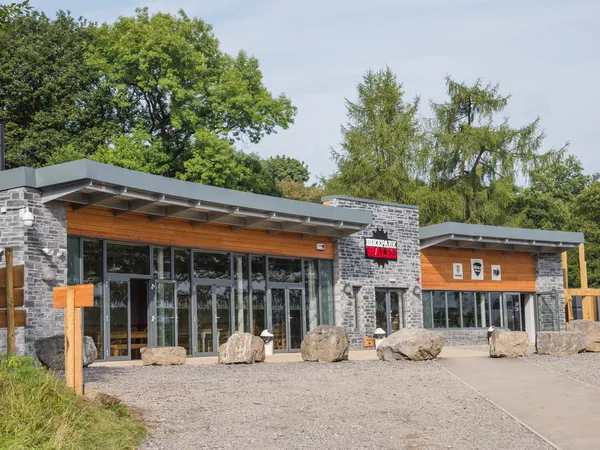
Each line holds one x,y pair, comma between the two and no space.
348,405
583,367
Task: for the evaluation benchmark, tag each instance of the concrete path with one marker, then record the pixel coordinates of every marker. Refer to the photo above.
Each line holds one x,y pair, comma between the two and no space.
562,410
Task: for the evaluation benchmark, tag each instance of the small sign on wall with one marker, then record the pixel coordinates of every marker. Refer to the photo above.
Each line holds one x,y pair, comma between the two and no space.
457,270
477,269
496,272
320,247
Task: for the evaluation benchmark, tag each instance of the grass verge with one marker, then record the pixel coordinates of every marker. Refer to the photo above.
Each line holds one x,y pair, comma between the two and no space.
38,411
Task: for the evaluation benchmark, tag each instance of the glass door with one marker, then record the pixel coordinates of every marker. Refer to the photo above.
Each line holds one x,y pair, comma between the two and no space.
294,304
279,319
204,319
165,318
118,319
287,318
389,310
222,306
512,311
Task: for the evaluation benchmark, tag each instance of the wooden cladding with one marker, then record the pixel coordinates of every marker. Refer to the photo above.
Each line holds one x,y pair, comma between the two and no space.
18,277
96,222
518,270
20,318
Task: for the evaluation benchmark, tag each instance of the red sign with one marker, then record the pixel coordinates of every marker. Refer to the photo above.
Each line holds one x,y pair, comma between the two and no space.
381,248
382,253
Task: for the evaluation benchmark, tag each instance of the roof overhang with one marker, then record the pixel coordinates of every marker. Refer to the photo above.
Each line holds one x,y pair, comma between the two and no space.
87,183
483,237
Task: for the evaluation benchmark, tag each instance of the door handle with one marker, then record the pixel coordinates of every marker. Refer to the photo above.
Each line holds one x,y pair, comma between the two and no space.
153,318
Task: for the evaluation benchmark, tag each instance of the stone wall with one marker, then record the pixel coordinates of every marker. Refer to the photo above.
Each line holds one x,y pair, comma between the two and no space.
461,337
401,223
49,230
548,277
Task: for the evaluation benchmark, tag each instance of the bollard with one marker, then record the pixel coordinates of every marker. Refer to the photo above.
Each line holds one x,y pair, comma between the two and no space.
379,336
268,338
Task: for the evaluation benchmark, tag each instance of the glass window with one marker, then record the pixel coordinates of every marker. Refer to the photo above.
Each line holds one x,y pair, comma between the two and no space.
496,309
326,292
381,311
396,311
73,261
427,316
438,300
240,266
311,281
468,310
453,299
92,274
285,270
182,282
259,316
162,263
481,309
214,266
127,258
576,302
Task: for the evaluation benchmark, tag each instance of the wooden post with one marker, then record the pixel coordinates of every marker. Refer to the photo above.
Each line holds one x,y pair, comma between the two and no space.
78,356
568,299
69,339
582,267
10,303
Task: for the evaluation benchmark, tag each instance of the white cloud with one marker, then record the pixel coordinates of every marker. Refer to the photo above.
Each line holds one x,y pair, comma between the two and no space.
541,51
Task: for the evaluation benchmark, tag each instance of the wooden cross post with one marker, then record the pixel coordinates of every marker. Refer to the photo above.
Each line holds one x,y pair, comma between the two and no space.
72,299
12,280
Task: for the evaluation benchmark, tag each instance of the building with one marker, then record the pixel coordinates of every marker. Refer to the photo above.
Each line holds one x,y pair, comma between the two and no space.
178,263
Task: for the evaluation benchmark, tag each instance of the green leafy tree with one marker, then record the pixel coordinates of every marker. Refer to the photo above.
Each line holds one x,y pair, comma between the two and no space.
285,168
586,218
50,97
382,140
10,10
476,159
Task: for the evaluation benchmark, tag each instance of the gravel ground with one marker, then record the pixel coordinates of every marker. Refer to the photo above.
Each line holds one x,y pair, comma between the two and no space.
584,367
349,405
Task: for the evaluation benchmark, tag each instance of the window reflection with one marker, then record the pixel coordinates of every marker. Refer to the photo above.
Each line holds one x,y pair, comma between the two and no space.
127,258
162,263
285,270
92,274
214,266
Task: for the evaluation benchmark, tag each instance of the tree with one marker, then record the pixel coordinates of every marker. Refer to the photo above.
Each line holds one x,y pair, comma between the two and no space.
50,97
285,168
170,78
13,9
380,153
474,158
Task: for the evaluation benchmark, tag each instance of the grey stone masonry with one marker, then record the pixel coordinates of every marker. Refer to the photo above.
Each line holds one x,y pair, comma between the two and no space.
49,230
463,337
548,278
356,312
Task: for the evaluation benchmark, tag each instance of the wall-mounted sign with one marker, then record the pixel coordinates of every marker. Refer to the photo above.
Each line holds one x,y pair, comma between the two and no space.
496,273
320,247
477,269
380,248
457,270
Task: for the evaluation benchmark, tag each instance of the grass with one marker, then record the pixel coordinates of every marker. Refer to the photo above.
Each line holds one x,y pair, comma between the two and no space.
38,411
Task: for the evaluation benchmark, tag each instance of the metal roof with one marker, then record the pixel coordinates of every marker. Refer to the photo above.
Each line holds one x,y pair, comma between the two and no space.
485,237
84,183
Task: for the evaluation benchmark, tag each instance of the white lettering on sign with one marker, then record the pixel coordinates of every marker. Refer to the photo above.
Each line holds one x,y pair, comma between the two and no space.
382,243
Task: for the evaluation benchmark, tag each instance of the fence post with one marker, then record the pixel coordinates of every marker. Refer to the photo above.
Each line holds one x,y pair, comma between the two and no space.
10,303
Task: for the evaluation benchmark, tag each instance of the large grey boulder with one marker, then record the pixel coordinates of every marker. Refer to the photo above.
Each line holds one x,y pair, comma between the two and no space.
325,343
560,342
163,356
51,351
590,329
242,348
415,344
508,344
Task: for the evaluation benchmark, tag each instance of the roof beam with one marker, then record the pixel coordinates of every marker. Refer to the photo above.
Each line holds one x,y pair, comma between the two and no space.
94,199
248,222
214,217
170,211
135,205
62,191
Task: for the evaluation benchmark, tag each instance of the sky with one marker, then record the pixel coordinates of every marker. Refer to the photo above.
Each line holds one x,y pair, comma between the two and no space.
542,52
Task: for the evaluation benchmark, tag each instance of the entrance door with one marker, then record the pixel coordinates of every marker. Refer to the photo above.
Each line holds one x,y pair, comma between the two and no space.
512,311
213,317
164,318
286,318
118,320
389,310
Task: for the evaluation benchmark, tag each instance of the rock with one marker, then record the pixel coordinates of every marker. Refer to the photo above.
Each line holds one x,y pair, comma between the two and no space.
325,343
415,344
560,342
508,344
51,351
242,348
592,331
163,356
99,397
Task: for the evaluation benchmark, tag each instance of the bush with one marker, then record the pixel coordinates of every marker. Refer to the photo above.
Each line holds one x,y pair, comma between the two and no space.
37,410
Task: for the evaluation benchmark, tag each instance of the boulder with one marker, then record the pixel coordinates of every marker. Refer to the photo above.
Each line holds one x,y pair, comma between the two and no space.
163,356
415,344
325,343
508,344
591,330
242,348
560,342
51,351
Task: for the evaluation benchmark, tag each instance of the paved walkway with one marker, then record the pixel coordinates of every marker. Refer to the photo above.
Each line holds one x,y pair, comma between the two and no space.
564,411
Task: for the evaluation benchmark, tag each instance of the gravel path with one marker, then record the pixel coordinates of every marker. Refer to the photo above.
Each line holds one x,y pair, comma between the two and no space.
349,405
584,367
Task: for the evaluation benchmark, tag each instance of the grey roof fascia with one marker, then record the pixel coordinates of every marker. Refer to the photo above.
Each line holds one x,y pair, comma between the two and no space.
16,178
488,231
366,200
77,171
